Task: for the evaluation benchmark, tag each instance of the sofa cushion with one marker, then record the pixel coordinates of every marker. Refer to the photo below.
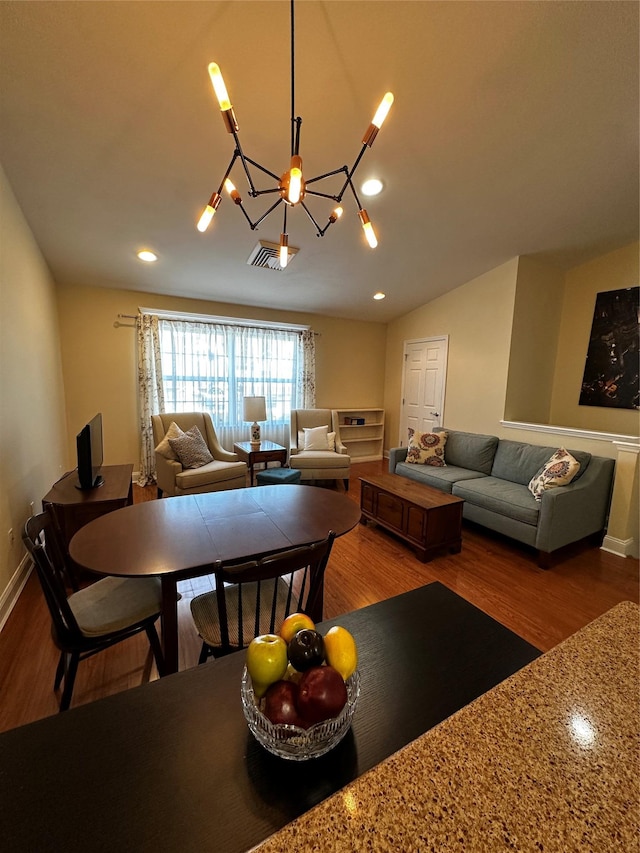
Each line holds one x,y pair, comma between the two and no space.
213,472
191,449
468,450
520,462
501,496
438,478
557,471
426,448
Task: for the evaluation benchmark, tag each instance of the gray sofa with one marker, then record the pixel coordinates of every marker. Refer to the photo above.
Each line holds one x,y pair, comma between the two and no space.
492,476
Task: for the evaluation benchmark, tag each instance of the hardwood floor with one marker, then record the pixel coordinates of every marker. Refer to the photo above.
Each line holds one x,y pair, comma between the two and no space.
367,565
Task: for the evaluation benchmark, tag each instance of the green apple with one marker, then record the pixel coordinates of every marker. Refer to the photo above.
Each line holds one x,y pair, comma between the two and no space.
266,661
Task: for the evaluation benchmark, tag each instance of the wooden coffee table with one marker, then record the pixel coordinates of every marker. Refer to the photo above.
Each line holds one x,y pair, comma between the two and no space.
426,519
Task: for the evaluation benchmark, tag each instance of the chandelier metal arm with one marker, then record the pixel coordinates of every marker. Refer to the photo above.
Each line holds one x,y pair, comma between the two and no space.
310,215
264,215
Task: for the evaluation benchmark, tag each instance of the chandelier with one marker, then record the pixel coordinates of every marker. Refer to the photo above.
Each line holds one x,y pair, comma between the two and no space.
291,188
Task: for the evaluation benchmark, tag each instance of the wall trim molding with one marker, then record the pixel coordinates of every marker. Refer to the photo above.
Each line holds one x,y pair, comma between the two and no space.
619,547
15,586
574,433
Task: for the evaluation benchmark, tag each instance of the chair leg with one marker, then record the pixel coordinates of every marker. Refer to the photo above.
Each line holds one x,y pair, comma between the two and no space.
156,648
69,680
60,671
346,485
159,493
204,653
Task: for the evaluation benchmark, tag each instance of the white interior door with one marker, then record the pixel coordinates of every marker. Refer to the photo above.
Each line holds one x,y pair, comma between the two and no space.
423,385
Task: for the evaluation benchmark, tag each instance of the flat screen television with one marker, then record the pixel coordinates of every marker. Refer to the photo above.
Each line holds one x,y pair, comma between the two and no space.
89,447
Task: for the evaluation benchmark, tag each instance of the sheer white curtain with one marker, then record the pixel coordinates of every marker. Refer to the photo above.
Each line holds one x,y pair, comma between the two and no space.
211,366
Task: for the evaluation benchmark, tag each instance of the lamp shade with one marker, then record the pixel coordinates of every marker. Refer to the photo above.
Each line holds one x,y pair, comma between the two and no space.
254,409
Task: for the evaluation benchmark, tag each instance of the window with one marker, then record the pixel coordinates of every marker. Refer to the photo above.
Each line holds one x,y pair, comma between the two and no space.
189,365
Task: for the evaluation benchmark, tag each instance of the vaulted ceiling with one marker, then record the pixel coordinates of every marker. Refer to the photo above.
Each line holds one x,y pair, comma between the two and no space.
514,131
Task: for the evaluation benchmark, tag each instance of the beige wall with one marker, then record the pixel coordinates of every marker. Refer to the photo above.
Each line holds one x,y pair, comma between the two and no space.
477,318
32,426
534,341
613,271
99,360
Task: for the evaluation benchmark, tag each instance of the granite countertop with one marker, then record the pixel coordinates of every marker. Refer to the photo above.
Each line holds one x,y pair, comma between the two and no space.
546,761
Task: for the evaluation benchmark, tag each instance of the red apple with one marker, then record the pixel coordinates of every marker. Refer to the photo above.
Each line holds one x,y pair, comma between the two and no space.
322,694
280,704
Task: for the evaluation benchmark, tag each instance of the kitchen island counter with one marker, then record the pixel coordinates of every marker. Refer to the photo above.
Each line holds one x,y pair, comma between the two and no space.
547,760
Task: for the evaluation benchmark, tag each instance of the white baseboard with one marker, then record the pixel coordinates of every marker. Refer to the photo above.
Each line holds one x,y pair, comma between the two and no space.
14,588
620,547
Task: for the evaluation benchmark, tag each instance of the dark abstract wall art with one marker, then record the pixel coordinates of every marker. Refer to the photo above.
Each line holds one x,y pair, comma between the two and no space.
612,370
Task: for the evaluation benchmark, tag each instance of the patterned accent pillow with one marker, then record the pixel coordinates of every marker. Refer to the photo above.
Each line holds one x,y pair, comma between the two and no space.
427,448
191,449
558,471
164,448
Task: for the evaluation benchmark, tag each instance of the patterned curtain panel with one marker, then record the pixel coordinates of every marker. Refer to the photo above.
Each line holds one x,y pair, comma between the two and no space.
307,382
150,392
187,366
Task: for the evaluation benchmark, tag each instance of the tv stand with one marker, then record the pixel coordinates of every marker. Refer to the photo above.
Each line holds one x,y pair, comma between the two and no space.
74,507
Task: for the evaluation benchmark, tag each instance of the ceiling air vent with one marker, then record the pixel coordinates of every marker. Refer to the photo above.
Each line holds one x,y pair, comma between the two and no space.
267,255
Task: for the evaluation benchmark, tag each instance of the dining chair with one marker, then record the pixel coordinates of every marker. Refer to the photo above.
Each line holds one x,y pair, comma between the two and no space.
255,597
94,618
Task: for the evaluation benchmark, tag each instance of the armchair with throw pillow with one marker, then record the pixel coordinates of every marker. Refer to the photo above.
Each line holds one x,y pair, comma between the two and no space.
315,448
189,457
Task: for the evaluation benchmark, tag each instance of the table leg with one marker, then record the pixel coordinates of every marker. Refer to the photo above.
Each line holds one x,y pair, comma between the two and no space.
169,619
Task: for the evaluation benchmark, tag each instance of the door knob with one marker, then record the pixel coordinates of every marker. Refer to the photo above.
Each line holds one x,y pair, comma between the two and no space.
436,414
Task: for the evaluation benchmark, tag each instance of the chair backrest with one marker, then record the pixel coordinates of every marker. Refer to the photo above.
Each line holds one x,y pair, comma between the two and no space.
185,420
301,570
309,418
43,542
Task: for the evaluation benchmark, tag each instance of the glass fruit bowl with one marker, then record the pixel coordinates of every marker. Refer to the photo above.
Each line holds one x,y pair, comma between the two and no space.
293,742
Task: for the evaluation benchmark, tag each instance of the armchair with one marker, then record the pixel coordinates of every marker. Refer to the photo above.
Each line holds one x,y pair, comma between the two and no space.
225,471
321,464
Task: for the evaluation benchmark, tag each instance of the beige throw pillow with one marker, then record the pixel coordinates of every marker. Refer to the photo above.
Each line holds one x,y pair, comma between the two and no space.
427,448
558,471
191,449
318,438
164,448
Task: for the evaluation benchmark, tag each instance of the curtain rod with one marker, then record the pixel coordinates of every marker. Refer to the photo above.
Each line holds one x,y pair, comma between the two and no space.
227,321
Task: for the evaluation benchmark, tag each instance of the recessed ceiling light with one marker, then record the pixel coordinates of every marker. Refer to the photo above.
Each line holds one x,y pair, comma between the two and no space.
371,187
148,257
379,295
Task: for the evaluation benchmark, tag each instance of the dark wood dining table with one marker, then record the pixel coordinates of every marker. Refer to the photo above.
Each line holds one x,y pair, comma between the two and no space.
172,765
183,537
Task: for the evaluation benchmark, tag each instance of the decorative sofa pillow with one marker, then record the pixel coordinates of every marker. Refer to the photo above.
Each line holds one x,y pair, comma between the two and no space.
427,448
558,471
316,438
164,448
191,449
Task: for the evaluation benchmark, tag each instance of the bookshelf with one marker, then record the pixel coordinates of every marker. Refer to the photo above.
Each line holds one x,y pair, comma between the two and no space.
364,441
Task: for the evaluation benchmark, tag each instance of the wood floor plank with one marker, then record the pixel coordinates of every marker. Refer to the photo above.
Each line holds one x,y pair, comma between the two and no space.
367,565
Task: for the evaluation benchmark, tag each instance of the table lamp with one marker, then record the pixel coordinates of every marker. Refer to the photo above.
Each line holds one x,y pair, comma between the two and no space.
254,409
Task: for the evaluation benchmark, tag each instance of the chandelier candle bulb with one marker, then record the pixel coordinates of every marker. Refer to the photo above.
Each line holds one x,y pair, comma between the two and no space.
381,113
367,227
219,87
233,192
209,212
284,250
335,215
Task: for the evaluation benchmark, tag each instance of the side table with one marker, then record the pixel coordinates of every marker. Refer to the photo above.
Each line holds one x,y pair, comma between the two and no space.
268,451
73,507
